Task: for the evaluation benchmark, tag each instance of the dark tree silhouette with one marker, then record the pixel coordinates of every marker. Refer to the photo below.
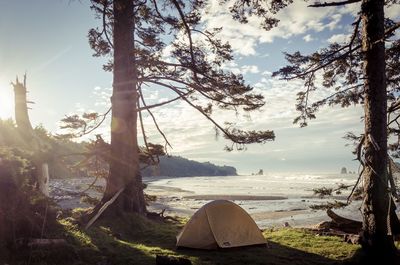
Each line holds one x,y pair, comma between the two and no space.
359,71
134,36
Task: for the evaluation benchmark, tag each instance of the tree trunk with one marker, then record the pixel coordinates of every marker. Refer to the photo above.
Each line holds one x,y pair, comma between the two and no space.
376,237
124,161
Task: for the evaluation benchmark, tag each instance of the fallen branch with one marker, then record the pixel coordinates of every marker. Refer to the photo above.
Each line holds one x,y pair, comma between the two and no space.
103,208
44,242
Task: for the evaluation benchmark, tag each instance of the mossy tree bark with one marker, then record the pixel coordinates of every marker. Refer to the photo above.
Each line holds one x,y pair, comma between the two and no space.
376,236
124,160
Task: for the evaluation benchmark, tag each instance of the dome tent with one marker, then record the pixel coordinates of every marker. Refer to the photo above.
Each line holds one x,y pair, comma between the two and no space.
220,224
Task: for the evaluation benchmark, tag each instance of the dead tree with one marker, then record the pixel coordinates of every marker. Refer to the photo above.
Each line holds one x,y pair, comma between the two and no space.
27,133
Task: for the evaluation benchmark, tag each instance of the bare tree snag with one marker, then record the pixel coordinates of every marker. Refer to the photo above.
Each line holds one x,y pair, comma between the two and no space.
21,107
43,179
28,134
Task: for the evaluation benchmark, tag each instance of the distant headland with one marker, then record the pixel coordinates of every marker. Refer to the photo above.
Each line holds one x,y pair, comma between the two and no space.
176,166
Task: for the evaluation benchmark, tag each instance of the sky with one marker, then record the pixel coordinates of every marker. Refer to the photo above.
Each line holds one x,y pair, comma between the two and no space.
47,39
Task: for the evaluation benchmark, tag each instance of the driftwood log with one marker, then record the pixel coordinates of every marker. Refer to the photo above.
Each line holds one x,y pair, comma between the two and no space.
339,226
171,260
41,242
44,242
343,224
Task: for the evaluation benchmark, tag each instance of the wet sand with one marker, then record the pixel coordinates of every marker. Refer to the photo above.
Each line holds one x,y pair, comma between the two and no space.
180,202
276,215
207,197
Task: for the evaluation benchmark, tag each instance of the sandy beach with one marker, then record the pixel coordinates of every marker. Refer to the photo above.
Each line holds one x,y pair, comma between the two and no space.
175,201
206,197
270,200
270,203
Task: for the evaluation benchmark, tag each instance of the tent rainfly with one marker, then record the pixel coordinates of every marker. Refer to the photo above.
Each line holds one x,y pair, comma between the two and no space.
220,224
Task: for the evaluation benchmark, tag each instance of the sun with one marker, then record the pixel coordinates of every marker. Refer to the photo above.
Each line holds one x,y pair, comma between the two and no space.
6,100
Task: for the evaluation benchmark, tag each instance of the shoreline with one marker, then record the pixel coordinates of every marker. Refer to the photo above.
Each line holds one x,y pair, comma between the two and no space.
184,203
184,200
212,197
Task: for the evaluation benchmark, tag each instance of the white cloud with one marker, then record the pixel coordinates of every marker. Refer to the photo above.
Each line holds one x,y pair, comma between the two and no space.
393,12
102,96
308,38
253,69
267,73
297,19
339,38
231,66
334,24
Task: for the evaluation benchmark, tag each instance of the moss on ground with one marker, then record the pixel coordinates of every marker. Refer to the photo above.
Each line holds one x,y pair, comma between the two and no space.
133,239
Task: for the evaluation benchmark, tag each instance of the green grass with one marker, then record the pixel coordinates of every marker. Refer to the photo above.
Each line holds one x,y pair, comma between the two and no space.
133,239
327,246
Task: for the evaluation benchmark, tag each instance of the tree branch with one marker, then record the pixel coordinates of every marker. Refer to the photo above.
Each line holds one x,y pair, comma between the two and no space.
341,3
227,134
162,103
142,126
155,122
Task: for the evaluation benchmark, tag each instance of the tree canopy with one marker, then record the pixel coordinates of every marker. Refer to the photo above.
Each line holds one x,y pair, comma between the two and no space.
172,52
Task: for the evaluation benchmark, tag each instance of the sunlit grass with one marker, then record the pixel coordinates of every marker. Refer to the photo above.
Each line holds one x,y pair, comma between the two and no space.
77,236
327,246
133,239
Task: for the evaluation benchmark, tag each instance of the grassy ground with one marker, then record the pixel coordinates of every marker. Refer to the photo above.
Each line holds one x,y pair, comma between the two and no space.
135,240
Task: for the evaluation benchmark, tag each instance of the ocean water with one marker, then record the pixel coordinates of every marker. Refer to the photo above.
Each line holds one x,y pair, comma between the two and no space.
279,184
184,195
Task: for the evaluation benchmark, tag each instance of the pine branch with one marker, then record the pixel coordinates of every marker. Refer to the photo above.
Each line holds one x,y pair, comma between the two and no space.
142,125
341,3
155,122
105,5
162,103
